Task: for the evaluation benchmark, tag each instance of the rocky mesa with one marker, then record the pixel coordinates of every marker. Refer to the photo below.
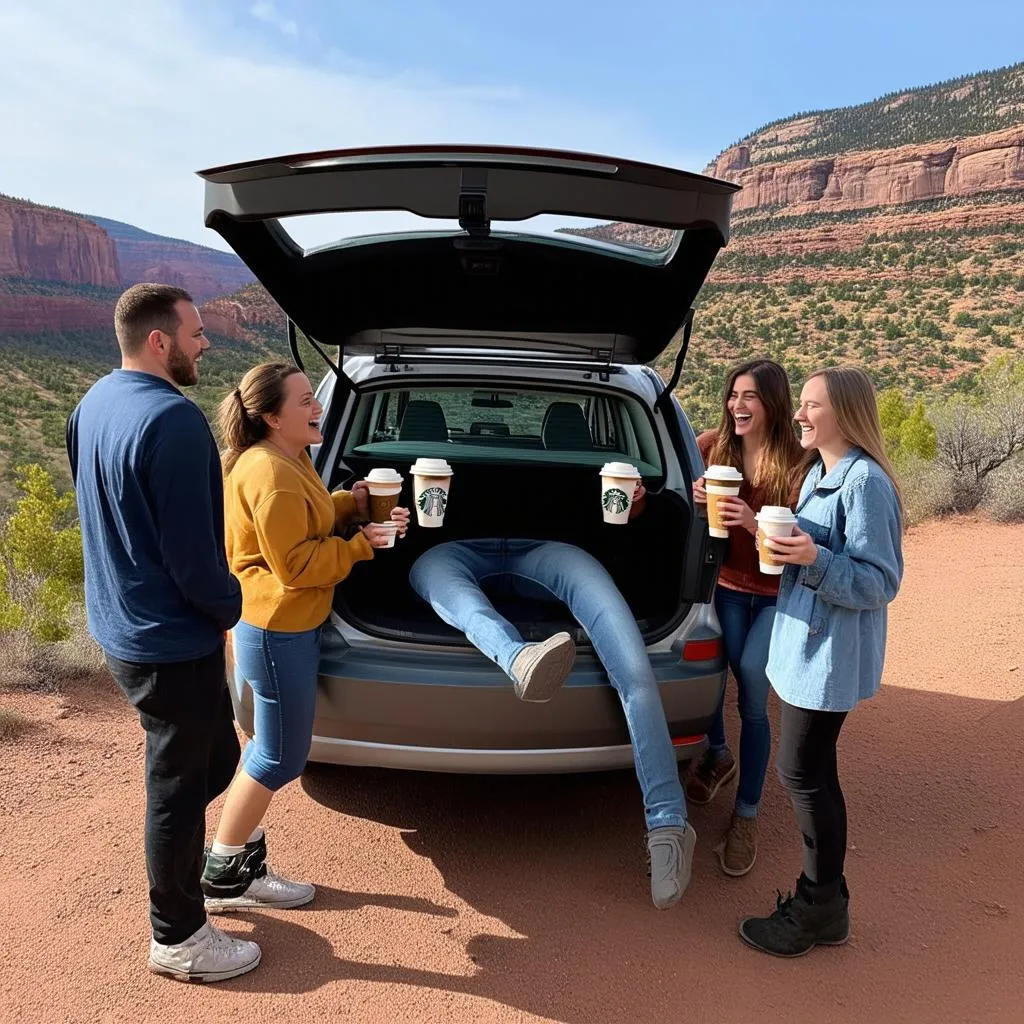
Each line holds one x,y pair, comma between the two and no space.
42,244
992,162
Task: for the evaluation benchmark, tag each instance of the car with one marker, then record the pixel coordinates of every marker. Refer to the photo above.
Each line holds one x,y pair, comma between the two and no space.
522,358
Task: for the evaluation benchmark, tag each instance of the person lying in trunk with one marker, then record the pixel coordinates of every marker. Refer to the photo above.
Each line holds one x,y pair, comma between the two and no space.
449,577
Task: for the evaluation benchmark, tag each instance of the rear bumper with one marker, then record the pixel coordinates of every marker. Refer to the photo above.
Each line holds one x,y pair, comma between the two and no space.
451,710
329,750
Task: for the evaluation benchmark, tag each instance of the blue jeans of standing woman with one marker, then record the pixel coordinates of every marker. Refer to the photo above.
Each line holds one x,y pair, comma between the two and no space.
746,621
449,577
282,669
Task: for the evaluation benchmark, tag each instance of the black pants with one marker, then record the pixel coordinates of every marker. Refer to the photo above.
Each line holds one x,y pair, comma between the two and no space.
191,755
809,770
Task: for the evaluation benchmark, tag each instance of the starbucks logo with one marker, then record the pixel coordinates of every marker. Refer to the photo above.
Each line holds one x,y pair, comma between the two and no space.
615,500
432,501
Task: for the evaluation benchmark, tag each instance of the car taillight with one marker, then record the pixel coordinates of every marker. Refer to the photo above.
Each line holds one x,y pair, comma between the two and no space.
702,650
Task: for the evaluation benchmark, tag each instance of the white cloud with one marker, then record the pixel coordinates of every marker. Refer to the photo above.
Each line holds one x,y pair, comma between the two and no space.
110,108
264,10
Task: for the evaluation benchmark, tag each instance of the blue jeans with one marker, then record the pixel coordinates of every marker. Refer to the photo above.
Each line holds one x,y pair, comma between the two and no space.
449,577
282,669
746,621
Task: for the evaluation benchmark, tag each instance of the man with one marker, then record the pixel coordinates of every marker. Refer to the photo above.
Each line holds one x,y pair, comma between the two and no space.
449,576
159,598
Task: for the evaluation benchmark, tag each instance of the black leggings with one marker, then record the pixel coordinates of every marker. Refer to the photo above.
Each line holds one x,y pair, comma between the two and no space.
808,768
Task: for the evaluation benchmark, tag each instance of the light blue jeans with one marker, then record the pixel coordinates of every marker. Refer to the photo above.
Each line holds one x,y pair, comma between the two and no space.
449,577
282,669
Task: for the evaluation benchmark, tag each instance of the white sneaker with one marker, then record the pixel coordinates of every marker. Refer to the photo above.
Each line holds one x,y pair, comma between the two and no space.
208,955
268,892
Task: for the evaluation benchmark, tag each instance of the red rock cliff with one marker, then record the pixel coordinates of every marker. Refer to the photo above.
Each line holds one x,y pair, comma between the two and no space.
983,163
48,245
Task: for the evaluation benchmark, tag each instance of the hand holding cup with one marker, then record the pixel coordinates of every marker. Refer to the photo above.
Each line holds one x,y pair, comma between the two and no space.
799,549
736,512
700,495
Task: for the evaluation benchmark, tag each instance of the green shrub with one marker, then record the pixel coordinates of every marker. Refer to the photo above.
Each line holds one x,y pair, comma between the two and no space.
41,565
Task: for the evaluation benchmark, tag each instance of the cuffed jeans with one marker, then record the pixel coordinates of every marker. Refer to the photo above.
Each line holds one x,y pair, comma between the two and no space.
746,621
449,577
191,756
282,670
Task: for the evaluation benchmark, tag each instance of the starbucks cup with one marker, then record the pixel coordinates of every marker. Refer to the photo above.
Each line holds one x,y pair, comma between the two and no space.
618,485
720,482
772,521
385,486
392,532
431,479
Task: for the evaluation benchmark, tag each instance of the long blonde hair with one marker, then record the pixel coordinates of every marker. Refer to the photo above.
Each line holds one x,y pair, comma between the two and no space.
240,415
855,407
780,452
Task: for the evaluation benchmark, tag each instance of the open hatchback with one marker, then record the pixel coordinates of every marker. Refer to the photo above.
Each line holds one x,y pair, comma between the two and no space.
521,358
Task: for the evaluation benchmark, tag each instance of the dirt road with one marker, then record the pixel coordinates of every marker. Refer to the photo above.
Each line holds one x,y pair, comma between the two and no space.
446,898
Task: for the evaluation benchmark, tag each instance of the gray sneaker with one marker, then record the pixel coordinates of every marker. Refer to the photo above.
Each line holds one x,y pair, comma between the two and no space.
208,955
671,851
540,669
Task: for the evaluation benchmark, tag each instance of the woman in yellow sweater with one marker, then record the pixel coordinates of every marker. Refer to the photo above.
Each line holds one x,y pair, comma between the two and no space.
280,523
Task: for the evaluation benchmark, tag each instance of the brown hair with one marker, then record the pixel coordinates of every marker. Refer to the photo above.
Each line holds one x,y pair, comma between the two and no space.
780,451
240,414
855,407
145,308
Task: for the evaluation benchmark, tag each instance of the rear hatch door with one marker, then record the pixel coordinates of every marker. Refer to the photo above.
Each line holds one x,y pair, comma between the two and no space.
485,285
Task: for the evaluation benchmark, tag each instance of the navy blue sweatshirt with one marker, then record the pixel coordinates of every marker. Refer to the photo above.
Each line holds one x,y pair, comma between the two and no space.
151,505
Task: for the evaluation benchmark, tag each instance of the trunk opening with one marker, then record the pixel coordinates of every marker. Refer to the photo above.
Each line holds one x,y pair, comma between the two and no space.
645,558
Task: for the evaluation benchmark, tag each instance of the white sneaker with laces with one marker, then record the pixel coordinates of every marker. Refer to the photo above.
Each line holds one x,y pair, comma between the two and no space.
208,955
268,892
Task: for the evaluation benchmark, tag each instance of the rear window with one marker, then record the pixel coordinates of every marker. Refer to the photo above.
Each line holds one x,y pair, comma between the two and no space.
507,424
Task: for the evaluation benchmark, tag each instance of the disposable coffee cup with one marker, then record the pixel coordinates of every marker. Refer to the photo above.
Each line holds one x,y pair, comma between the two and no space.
385,486
772,521
720,482
392,532
431,480
618,485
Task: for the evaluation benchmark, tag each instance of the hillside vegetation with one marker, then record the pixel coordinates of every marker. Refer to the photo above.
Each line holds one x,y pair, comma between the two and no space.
970,105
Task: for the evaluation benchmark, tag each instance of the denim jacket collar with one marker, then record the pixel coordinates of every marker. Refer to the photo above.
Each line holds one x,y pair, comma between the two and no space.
834,479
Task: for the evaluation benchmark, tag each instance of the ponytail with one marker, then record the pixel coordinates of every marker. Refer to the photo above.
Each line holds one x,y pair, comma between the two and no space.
240,415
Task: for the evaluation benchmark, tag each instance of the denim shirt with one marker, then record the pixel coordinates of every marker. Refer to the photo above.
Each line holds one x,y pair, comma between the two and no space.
828,641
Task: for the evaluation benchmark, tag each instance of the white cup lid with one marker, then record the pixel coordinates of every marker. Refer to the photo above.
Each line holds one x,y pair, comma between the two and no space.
390,525
723,474
383,476
775,514
431,467
620,469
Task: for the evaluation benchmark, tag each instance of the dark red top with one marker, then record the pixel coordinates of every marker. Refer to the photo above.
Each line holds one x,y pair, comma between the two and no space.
740,569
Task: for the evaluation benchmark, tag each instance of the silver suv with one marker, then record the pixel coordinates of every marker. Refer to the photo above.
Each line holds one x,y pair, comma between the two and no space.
520,358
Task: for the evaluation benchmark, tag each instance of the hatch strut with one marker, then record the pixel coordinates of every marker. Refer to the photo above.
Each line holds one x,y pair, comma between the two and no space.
293,344
666,396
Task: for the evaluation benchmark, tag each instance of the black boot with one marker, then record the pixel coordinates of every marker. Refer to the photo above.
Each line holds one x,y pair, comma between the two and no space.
814,916
227,877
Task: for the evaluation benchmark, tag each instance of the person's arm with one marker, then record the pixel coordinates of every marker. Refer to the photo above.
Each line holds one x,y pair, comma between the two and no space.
280,520
867,573
346,509
71,445
183,507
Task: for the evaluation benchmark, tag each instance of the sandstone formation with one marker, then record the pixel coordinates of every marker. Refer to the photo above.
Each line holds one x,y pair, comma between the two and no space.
984,163
41,244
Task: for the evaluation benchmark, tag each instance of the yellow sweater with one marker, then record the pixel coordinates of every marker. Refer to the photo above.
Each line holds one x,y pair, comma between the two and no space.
279,524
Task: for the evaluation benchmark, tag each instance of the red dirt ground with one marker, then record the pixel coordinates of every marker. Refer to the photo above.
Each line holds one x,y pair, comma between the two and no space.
450,898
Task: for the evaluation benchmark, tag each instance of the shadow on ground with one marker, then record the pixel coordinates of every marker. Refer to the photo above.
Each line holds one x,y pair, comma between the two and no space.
929,779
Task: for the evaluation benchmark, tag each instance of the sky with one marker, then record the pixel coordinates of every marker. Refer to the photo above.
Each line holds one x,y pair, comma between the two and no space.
109,108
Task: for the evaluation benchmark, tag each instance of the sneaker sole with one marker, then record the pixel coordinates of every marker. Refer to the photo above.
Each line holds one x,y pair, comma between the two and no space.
548,676
728,777
732,872
215,906
791,956
205,978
